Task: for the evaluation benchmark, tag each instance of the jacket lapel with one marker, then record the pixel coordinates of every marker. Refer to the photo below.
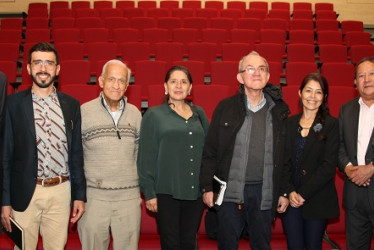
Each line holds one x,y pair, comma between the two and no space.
355,121
28,111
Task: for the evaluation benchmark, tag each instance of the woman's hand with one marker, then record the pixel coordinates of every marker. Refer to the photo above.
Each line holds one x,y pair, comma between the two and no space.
151,205
296,200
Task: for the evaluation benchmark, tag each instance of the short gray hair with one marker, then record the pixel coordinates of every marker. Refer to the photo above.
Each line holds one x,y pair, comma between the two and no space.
252,53
115,61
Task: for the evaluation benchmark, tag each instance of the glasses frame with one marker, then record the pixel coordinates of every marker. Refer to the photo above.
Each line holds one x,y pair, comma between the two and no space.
251,70
48,64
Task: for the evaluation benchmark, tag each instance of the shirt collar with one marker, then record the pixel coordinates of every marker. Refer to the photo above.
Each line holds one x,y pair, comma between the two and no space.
35,97
103,101
260,105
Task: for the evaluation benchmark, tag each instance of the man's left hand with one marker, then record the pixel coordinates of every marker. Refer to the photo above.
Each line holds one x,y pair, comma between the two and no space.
282,204
78,210
363,174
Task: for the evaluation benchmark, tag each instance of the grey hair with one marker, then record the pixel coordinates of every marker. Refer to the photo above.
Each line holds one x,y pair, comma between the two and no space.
115,61
252,53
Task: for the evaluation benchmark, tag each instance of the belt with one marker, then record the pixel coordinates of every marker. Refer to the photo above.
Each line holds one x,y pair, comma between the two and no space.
50,182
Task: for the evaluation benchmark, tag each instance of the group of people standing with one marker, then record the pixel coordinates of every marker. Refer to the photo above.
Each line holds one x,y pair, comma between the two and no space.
101,156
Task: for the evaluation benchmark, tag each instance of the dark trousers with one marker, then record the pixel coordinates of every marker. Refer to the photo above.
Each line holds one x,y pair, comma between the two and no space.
302,233
178,222
360,222
232,219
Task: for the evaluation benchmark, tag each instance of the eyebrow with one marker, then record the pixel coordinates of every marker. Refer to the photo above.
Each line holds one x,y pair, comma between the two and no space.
262,65
312,88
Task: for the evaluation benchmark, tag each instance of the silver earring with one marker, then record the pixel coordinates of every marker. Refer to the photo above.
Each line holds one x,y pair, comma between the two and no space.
166,93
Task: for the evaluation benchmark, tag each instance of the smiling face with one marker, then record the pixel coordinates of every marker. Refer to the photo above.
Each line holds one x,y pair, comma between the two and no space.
311,96
254,73
114,83
178,86
43,68
365,80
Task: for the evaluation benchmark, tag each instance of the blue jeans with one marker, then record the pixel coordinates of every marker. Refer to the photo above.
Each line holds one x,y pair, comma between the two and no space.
302,233
232,219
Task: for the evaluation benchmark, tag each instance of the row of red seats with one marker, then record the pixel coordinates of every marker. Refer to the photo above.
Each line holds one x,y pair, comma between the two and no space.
10,32
250,33
132,52
221,72
204,51
177,22
206,96
195,4
186,12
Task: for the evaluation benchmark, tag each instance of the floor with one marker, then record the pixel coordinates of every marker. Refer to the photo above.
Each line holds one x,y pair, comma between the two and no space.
151,242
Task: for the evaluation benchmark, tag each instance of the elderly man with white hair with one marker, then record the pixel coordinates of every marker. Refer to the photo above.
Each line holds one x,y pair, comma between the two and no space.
110,134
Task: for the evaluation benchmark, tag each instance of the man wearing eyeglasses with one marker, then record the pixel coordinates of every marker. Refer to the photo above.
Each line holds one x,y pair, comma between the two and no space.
244,148
42,156
110,136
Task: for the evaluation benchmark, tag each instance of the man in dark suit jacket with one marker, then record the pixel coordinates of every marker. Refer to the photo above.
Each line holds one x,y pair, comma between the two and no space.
42,156
356,155
3,93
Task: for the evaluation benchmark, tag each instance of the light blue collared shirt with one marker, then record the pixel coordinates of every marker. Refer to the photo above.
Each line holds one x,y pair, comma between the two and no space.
258,107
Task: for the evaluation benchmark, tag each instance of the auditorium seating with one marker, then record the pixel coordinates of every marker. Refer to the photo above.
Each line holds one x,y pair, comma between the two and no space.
133,94
9,68
11,23
208,96
217,5
82,92
332,53
197,69
148,73
169,52
250,26
224,73
9,52
338,74
169,4
296,71
273,36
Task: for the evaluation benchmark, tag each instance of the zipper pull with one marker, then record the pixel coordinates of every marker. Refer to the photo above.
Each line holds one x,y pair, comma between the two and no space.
119,136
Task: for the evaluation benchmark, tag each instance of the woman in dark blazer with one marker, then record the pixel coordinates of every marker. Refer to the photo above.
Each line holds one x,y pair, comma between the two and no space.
311,151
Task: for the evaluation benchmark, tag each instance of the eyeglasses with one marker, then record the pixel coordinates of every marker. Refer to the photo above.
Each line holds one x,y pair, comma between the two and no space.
48,64
251,70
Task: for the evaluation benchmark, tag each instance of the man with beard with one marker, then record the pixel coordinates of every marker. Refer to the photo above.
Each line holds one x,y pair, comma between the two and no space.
42,156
